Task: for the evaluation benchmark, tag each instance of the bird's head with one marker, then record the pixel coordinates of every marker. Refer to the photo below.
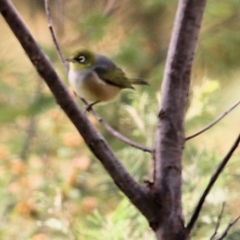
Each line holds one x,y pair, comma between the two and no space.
81,60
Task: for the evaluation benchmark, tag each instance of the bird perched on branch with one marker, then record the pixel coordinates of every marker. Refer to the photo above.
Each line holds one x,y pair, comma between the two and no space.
96,78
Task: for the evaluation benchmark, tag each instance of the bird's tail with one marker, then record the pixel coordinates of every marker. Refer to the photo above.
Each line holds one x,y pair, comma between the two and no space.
138,81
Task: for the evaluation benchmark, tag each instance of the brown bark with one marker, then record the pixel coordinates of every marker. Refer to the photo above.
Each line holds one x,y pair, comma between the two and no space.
169,140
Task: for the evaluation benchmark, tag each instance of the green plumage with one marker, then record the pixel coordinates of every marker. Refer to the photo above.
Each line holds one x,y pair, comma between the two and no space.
96,78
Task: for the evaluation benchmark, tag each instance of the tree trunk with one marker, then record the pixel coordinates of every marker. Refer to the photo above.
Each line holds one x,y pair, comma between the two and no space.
169,142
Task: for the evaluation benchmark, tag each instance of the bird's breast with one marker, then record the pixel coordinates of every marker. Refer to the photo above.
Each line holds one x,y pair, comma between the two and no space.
89,86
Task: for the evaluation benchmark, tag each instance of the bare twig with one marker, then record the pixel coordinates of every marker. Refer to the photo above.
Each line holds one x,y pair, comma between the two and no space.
50,26
119,136
137,194
224,234
218,222
211,183
115,133
214,122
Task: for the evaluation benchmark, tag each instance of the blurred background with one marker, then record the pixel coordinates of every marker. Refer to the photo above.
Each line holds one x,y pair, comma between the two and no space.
52,187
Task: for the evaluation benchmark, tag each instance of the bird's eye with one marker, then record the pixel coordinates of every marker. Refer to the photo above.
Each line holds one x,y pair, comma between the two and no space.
81,59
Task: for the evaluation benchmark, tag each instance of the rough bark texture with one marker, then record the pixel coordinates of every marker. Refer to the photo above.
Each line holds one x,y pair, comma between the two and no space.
169,141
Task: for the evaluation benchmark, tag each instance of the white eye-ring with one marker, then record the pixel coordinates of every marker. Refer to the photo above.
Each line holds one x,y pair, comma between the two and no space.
81,59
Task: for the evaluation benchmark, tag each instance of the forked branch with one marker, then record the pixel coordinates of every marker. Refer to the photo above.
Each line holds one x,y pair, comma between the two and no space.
137,194
213,179
230,225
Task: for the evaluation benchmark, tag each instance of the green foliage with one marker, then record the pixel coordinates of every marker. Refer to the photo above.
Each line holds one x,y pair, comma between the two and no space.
51,183
124,223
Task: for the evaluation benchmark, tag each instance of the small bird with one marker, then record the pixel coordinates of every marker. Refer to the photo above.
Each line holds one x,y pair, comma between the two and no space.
96,78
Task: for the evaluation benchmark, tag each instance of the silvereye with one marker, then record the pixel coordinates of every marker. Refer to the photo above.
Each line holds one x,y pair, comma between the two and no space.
96,78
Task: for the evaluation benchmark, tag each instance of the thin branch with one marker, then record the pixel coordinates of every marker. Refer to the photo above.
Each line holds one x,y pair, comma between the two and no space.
115,133
137,194
119,136
50,26
97,117
214,122
213,179
218,222
224,234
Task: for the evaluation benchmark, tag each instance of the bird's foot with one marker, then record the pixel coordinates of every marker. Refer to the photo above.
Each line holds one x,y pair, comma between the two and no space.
88,107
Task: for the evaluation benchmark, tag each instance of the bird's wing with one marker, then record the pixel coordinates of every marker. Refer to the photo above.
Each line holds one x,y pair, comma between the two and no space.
110,73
